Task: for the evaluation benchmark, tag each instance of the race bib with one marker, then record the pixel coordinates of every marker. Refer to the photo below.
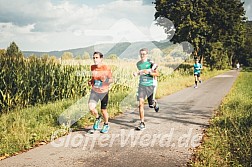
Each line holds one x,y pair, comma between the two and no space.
144,79
97,83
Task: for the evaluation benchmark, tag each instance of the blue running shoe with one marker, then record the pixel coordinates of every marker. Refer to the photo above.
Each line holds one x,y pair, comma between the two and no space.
105,128
96,123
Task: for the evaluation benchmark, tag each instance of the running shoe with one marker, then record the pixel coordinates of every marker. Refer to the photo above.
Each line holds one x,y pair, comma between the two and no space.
105,128
96,123
141,126
156,107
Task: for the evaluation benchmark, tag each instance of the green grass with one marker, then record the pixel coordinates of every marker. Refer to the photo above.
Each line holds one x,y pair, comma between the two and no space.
228,141
178,82
25,128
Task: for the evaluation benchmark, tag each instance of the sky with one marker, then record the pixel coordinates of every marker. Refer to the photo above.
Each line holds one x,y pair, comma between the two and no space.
55,25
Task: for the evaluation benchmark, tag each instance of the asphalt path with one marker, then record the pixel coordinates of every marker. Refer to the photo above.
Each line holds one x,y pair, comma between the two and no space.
168,140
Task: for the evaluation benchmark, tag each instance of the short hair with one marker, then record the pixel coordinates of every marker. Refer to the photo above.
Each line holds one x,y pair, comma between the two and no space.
144,49
99,53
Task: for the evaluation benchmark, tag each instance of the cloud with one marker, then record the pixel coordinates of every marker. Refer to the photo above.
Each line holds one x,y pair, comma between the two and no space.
24,12
45,16
60,24
46,25
248,8
48,16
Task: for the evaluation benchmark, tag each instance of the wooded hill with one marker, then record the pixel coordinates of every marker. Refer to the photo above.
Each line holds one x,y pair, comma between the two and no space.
122,49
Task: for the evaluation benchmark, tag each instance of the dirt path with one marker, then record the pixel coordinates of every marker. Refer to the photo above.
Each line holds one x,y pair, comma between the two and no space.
168,139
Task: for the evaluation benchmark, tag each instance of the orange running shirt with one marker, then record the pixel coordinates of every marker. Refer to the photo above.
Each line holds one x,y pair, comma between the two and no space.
100,77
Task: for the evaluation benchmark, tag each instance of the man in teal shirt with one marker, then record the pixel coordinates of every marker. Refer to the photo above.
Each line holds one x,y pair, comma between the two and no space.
196,71
146,87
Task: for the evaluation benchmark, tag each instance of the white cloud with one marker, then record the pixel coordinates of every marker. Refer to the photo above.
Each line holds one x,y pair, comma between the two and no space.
46,25
62,25
9,30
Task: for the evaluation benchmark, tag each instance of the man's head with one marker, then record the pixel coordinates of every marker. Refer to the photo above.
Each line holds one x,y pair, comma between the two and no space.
143,54
97,57
196,60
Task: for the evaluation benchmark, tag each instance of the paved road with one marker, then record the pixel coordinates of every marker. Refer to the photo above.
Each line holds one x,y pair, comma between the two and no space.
168,140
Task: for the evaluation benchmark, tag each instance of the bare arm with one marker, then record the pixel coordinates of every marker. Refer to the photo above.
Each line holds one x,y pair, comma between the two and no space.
154,73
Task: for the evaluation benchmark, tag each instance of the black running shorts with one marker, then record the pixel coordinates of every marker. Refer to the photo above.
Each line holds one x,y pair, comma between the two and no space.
198,75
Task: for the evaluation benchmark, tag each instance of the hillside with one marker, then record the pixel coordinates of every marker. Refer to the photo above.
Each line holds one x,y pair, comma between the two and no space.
122,50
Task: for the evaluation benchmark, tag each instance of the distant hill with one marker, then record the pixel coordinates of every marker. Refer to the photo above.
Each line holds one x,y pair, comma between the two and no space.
122,49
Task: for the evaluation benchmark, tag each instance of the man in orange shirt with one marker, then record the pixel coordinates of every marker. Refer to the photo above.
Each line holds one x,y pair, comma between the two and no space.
101,79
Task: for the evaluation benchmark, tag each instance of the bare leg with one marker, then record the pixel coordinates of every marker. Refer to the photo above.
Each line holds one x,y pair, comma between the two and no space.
154,92
141,109
105,115
93,110
199,79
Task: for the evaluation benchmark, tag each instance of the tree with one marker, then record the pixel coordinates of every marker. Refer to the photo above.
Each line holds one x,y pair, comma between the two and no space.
188,18
113,57
13,50
226,19
2,52
86,55
78,57
215,60
156,55
244,56
67,56
204,23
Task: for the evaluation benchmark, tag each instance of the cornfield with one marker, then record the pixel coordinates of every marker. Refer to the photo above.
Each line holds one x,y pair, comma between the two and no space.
33,80
25,82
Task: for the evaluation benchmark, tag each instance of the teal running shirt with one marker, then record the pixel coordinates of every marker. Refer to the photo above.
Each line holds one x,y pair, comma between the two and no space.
196,68
146,79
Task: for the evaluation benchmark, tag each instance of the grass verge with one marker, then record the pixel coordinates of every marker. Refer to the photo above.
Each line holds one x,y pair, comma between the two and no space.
228,141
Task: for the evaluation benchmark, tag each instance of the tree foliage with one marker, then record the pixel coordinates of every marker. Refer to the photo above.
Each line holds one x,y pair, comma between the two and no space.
13,50
206,24
67,56
86,56
244,56
113,57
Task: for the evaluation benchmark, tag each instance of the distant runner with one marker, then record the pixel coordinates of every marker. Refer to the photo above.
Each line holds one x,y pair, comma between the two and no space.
197,67
237,65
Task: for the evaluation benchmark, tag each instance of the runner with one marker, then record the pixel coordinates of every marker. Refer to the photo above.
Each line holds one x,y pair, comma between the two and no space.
197,67
237,65
146,87
101,78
